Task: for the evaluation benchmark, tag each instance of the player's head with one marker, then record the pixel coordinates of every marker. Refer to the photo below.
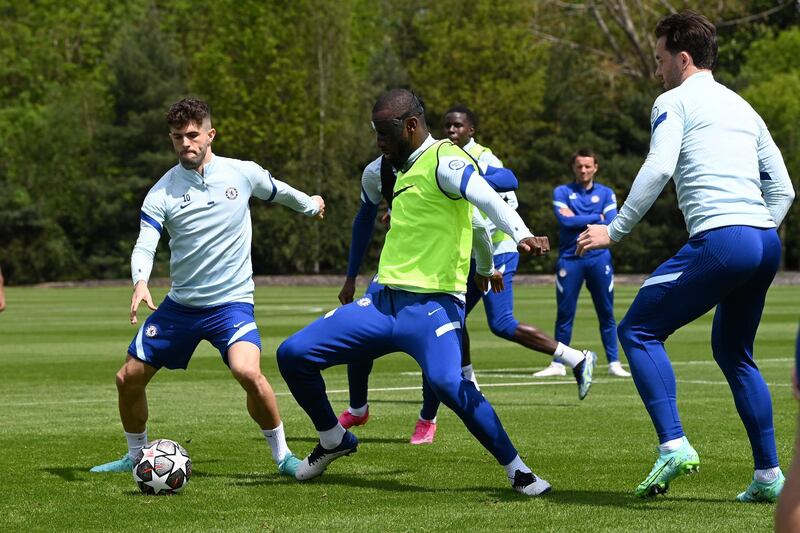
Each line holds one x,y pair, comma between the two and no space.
686,42
460,124
191,132
398,119
584,167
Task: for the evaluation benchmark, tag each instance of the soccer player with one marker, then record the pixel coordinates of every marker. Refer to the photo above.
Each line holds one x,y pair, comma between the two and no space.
734,190
377,181
577,204
203,203
424,266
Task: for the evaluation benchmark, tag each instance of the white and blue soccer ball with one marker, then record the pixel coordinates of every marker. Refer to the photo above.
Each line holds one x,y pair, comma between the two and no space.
162,467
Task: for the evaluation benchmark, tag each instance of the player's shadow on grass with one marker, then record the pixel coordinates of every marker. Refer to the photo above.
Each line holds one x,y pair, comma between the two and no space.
68,474
361,440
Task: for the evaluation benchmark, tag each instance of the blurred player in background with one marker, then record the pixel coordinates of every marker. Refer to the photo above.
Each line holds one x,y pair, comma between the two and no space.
203,203
577,204
734,190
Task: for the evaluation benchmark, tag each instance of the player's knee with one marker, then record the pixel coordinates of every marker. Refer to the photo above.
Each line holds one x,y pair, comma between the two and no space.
625,332
504,326
127,380
289,353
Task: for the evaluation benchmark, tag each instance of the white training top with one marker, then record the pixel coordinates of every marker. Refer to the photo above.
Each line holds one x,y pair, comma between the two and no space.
510,197
208,220
721,156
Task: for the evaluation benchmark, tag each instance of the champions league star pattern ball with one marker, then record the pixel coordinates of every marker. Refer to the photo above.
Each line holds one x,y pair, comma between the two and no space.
162,467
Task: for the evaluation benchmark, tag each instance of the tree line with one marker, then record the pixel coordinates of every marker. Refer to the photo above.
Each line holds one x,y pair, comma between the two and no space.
84,87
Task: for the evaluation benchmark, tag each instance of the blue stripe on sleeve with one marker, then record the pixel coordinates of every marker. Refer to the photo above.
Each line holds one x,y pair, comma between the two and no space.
465,180
661,118
765,176
150,220
274,189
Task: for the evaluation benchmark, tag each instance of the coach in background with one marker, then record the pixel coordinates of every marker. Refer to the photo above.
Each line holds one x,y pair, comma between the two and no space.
734,190
576,205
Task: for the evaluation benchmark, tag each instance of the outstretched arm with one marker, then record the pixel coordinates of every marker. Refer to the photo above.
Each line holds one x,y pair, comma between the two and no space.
460,179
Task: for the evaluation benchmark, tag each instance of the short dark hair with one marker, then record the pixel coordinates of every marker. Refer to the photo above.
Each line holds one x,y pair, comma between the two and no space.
583,152
402,102
186,111
472,117
690,32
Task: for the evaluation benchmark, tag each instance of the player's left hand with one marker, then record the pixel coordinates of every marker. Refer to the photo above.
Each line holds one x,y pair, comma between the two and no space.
566,212
495,282
321,203
534,246
594,236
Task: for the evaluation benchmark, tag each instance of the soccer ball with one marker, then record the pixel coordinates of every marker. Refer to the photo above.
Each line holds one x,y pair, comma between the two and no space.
162,467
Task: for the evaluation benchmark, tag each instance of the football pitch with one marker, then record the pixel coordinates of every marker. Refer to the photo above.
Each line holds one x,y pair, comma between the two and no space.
60,349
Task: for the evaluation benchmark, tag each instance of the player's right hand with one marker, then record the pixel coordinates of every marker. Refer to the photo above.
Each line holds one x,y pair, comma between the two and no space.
348,290
534,246
140,292
321,204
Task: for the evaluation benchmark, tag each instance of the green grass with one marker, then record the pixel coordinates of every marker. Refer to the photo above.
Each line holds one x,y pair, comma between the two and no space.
60,349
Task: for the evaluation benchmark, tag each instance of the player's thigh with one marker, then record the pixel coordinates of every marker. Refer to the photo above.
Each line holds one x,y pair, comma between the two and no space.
569,280
500,305
350,333
229,325
600,280
429,329
167,337
680,290
135,373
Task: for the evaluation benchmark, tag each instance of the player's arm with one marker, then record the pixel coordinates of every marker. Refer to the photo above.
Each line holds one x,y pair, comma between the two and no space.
483,250
458,178
363,225
151,220
610,208
564,215
500,179
268,188
667,124
775,182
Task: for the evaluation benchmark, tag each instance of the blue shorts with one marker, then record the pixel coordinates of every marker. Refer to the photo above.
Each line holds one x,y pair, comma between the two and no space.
170,335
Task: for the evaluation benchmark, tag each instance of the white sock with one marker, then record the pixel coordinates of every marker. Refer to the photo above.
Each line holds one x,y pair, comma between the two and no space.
276,438
513,466
136,442
767,475
670,445
332,438
432,421
566,355
361,411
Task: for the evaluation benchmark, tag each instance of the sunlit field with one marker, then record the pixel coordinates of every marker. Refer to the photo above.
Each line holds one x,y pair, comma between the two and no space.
60,349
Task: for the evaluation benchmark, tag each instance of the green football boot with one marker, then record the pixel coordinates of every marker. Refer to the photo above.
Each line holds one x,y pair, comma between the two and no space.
763,492
684,460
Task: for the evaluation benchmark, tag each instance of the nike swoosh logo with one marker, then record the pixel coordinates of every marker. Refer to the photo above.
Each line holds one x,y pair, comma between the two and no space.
237,325
435,310
397,193
184,205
